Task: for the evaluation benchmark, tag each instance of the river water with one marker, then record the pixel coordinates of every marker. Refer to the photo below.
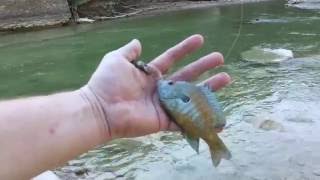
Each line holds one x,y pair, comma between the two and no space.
272,107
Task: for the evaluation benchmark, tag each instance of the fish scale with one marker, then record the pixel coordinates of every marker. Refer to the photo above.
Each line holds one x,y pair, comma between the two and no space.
200,104
191,111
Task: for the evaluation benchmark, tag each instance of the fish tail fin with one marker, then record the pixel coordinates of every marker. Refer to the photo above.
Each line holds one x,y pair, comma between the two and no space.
218,151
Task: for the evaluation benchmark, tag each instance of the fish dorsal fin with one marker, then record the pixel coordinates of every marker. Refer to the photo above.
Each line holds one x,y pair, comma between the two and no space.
205,89
194,142
212,100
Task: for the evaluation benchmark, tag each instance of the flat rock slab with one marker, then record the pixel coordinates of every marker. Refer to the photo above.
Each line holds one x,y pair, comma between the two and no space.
20,14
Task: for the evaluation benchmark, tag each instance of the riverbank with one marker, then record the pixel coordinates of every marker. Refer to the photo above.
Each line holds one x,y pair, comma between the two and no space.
162,7
27,17
183,5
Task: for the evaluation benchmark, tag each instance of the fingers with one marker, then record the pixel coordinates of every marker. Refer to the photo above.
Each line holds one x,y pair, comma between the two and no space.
189,45
130,51
217,81
195,69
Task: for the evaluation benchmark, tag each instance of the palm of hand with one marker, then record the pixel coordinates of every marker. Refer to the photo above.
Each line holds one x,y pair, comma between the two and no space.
128,96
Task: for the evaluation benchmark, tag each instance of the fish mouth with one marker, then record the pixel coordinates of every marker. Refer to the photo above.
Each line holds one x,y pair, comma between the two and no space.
219,128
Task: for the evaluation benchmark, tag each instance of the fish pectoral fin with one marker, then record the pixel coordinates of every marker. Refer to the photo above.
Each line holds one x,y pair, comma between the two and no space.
219,151
194,142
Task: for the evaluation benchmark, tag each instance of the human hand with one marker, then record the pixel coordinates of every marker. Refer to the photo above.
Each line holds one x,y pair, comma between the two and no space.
124,98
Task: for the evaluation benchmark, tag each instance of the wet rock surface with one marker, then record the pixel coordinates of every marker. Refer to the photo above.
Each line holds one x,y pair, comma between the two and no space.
267,55
305,4
33,13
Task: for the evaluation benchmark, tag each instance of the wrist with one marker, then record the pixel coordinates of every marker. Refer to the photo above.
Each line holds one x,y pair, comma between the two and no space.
94,107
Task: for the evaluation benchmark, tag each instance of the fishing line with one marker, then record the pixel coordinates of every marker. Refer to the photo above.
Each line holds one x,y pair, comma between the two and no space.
239,31
226,57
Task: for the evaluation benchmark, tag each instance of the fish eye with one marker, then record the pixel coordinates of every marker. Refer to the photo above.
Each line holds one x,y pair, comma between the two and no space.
185,99
170,83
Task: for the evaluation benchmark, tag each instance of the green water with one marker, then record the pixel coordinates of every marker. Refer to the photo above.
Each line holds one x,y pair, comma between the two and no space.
58,59
285,92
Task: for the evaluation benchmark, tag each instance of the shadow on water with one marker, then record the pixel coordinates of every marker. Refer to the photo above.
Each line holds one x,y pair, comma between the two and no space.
272,108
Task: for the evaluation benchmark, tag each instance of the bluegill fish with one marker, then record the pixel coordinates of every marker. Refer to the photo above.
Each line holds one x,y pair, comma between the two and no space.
196,110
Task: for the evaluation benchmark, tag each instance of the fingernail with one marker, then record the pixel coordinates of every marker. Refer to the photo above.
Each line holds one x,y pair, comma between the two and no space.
228,77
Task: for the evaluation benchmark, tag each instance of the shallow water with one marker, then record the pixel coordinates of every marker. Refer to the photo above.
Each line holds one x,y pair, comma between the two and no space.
272,108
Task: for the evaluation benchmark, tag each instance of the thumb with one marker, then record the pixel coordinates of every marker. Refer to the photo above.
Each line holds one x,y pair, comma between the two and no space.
131,51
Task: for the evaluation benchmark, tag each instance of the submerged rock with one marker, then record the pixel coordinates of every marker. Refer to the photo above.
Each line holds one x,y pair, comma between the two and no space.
265,20
267,55
268,125
304,4
271,125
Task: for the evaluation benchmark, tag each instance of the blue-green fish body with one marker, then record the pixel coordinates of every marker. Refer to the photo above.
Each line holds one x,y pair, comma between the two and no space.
196,110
